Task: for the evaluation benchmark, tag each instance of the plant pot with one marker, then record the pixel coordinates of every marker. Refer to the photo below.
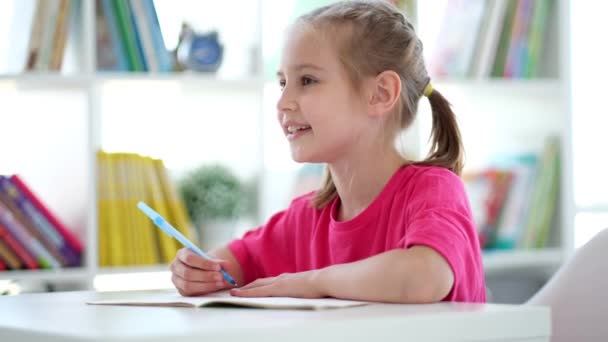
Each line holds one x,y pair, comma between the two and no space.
216,233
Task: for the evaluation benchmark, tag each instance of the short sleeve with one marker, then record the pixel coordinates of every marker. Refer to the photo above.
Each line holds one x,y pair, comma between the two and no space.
265,251
440,218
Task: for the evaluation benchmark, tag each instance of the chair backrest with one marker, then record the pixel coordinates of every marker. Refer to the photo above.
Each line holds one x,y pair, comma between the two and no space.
578,294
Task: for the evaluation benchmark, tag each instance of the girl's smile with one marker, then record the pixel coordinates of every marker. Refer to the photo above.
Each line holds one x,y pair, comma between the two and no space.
294,130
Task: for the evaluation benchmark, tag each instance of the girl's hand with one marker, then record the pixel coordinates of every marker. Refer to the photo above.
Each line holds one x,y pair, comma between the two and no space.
193,275
301,285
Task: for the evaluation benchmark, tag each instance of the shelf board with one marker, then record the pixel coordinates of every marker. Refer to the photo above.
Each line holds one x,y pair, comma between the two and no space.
501,82
54,80
46,80
497,262
182,77
132,269
65,274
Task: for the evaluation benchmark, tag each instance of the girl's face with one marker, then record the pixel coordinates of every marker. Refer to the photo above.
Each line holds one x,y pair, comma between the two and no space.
320,113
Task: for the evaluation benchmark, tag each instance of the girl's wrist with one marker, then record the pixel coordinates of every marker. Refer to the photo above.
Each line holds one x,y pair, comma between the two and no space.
321,281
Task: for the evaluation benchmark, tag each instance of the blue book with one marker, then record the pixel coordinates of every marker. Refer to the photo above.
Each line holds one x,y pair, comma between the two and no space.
138,42
119,54
163,55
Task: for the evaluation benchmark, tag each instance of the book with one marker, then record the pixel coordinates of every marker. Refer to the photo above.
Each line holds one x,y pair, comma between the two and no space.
167,247
517,51
538,27
24,222
174,203
9,257
37,31
71,239
43,61
505,37
489,39
223,298
38,224
165,60
457,38
110,214
103,209
60,35
544,198
24,255
15,228
111,53
146,230
129,35
514,214
144,33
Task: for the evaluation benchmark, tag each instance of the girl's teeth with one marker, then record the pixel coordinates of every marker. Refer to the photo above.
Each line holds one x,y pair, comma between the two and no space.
292,129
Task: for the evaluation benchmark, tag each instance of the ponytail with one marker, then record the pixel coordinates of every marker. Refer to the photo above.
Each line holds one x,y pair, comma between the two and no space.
327,192
446,144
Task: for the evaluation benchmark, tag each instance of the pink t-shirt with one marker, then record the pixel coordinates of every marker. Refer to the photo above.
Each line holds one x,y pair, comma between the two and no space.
419,205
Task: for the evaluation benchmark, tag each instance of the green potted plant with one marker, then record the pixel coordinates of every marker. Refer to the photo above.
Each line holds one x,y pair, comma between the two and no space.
215,199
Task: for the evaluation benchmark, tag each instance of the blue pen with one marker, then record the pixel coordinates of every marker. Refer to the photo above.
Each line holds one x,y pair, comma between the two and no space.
161,223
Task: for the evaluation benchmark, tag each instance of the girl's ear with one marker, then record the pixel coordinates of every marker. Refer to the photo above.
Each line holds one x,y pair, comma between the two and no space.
385,92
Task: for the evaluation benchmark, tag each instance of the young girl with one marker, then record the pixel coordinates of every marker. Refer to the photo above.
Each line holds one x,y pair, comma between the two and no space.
381,228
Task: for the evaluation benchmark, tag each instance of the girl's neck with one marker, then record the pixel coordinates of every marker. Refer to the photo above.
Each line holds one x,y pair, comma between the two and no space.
359,182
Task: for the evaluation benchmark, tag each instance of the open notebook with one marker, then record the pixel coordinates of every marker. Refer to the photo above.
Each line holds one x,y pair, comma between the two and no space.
224,298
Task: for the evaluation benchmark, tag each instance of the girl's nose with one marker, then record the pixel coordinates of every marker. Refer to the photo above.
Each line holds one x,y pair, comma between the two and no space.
286,101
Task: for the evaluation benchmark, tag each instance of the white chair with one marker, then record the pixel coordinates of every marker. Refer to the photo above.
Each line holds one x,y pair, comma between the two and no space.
578,294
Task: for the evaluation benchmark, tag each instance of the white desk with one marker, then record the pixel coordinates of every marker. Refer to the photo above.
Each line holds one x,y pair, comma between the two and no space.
64,316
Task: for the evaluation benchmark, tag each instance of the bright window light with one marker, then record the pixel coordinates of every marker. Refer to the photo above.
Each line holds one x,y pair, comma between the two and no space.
589,121
588,225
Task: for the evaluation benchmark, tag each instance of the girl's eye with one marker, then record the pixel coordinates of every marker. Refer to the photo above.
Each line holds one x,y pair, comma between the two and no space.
282,84
307,81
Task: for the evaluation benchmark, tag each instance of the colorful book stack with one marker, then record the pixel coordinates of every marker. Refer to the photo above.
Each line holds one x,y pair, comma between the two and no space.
126,236
491,38
129,37
514,204
31,237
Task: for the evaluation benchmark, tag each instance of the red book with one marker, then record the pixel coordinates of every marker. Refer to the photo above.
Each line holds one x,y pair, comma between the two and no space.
25,256
69,237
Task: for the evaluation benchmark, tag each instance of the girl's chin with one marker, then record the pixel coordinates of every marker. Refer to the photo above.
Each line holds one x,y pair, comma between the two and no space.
302,158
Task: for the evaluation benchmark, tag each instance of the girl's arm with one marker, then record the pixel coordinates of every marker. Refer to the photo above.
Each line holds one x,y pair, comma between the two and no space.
415,275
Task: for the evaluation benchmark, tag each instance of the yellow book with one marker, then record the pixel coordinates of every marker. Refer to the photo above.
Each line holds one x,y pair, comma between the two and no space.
166,246
145,229
177,209
134,247
103,203
147,195
117,237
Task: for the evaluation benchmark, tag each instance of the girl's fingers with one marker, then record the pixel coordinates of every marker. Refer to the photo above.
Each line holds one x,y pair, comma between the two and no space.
194,274
189,258
259,291
193,288
258,283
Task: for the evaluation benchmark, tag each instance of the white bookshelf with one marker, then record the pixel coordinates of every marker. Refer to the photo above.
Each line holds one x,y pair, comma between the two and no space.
499,116
543,107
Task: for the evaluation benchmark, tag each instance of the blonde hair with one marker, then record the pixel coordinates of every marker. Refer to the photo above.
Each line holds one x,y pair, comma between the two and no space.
374,36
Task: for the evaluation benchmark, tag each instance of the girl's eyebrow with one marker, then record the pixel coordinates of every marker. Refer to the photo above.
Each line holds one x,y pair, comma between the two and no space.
299,67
